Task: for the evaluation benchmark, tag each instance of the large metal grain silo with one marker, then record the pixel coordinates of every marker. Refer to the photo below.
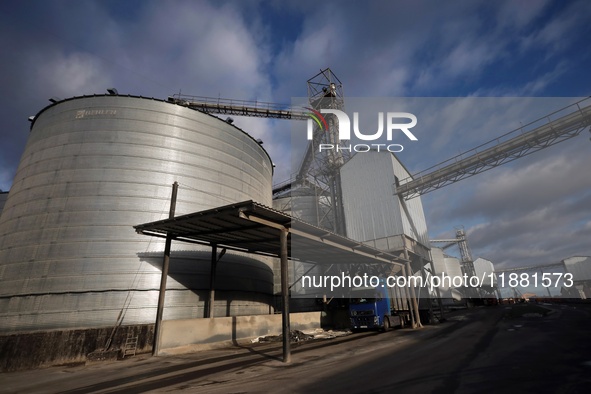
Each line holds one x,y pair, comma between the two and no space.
92,168
3,197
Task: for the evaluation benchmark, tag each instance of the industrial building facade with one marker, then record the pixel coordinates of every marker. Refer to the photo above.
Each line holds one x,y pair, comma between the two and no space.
373,212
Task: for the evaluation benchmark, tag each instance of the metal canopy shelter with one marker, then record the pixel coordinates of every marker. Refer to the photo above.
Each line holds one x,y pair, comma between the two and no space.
254,228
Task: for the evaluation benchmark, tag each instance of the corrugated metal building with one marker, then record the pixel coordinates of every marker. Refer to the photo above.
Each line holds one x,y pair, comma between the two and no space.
374,214
92,168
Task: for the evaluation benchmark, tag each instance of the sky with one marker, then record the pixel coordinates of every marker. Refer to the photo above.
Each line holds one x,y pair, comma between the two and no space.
536,210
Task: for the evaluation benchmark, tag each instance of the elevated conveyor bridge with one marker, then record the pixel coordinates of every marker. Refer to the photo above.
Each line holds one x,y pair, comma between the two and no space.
542,133
553,128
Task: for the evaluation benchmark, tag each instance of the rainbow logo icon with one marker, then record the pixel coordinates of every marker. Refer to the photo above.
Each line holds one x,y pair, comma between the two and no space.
318,118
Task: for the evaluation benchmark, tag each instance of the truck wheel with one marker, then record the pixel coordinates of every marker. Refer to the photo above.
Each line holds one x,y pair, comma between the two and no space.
386,323
401,321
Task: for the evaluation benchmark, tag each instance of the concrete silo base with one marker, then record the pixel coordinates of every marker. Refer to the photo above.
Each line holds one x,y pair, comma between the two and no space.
57,347
61,347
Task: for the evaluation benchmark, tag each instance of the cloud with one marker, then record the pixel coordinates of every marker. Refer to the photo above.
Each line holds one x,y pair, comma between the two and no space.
538,236
553,36
511,190
520,14
198,48
69,75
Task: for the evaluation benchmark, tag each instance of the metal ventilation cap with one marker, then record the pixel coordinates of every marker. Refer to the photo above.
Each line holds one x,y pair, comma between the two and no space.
113,92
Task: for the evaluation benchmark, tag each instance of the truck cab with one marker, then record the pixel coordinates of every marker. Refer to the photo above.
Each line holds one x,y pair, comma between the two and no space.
371,308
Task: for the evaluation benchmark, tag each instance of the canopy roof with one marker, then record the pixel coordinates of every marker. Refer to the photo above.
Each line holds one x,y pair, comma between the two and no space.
254,228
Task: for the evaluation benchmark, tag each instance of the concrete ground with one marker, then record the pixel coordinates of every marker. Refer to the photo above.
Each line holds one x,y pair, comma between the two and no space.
488,349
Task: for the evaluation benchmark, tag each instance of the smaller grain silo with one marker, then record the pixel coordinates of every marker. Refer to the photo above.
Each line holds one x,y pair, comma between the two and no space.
302,201
485,271
580,269
447,268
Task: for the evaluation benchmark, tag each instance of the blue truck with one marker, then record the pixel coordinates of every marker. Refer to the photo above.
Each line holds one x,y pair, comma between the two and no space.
381,308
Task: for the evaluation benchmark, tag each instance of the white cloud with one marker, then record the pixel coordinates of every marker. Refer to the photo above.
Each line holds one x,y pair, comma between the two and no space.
520,14
554,36
72,75
202,50
510,190
5,179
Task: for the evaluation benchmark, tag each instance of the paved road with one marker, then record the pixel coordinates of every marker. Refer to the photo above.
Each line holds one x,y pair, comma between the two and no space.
486,349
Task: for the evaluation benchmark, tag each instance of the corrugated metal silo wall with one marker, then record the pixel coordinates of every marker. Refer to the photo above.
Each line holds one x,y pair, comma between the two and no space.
448,267
300,203
579,266
454,270
483,268
453,267
3,197
372,211
438,260
95,166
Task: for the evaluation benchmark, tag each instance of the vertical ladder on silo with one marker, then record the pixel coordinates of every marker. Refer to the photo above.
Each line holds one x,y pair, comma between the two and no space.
130,345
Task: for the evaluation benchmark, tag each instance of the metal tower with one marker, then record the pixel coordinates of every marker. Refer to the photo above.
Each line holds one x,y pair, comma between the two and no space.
318,171
322,168
467,262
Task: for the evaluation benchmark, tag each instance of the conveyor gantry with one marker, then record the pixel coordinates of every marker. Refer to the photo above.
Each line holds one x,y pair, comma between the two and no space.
568,122
542,133
238,107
